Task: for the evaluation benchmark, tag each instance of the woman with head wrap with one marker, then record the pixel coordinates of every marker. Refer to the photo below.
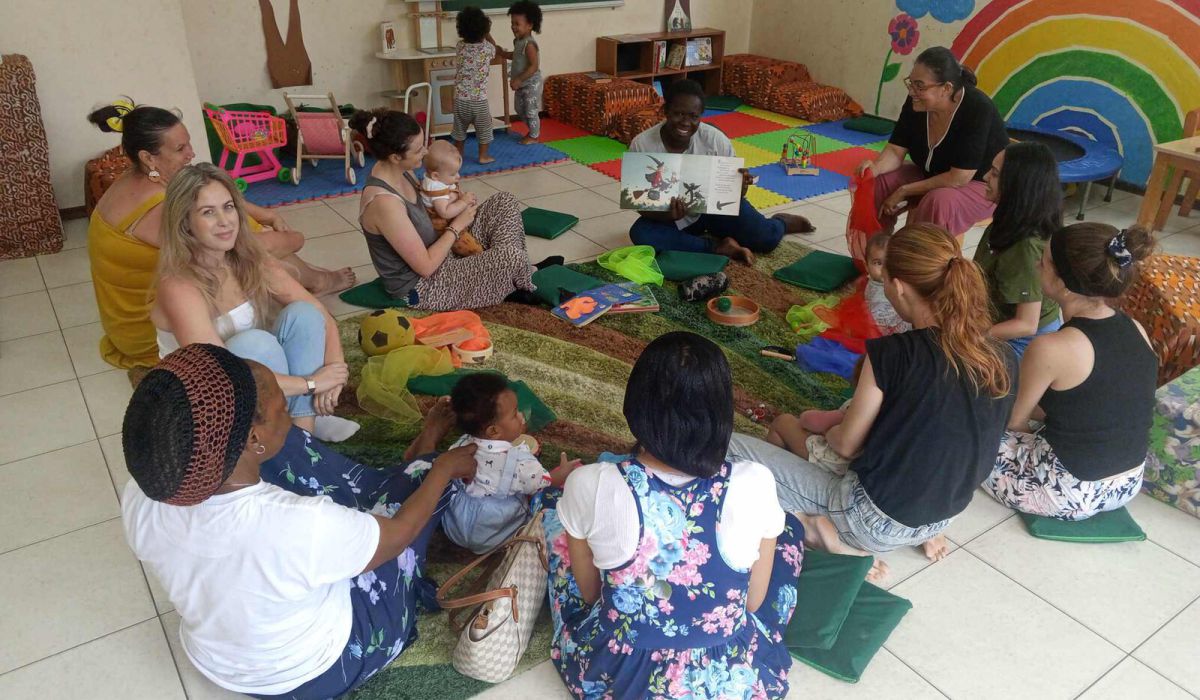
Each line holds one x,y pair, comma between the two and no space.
285,584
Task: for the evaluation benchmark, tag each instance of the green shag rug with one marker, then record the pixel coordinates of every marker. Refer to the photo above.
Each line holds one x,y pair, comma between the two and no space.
581,374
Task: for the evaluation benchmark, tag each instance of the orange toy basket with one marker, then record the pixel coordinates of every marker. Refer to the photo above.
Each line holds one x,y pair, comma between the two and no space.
243,133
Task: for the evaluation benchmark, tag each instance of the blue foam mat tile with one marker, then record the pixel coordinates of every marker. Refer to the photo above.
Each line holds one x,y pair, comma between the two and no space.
509,154
773,177
837,130
714,112
324,181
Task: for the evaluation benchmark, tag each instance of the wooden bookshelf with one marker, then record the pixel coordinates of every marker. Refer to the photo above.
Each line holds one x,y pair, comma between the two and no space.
632,56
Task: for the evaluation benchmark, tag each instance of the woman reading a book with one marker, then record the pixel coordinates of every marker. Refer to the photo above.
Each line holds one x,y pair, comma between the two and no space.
951,130
413,260
738,237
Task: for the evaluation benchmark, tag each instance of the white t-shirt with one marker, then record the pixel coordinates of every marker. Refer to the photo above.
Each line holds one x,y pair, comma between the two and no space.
435,189
707,141
260,576
598,506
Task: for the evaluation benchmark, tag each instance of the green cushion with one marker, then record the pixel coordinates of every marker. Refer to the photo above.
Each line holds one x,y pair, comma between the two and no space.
537,414
827,586
677,265
544,223
726,103
872,618
870,124
555,277
372,295
1112,526
820,271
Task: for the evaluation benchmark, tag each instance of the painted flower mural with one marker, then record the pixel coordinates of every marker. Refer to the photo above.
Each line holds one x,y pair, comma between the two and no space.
905,35
942,10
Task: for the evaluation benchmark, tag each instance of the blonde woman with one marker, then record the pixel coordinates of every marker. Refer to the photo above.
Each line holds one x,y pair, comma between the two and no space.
216,284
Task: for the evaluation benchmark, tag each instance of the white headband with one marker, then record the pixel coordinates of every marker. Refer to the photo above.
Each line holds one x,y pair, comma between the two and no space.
370,126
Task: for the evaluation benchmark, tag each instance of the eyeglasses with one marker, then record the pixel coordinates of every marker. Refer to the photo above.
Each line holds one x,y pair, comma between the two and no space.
918,86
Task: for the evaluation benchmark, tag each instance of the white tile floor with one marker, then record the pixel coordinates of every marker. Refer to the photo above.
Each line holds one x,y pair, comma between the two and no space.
1004,615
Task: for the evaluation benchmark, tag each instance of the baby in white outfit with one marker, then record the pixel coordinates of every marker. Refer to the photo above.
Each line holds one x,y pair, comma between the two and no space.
440,195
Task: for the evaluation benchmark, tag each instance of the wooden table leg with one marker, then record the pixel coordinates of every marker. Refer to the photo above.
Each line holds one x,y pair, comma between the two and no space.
1154,191
1168,198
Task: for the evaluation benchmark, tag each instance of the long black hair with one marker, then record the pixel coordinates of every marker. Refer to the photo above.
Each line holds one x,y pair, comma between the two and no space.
389,130
945,66
679,403
1030,196
142,128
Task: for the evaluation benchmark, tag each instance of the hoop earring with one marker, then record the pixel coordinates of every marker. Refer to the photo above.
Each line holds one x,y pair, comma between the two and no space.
261,449
154,175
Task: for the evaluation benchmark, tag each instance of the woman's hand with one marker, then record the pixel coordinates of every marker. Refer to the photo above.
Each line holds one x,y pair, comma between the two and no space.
470,198
334,374
896,202
864,167
458,463
747,180
464,220
559,474
678,209
325,402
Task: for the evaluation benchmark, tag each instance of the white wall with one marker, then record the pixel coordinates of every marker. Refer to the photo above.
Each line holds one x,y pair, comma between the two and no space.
85,53
342,36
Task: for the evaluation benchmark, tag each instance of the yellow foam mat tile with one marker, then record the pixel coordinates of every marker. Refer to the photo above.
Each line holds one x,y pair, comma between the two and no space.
763,199
753,155
773,116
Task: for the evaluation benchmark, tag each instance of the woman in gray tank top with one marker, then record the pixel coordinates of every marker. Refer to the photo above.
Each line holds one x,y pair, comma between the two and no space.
414,261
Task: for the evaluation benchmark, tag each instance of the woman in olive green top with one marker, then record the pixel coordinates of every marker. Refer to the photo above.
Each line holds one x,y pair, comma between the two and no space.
1023,182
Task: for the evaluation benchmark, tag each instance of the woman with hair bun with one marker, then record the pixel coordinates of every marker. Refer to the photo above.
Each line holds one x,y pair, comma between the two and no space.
1091,383
951,130
413,260
124,233
928,411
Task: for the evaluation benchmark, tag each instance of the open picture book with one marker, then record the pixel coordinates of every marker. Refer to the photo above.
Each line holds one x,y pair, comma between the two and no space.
706,184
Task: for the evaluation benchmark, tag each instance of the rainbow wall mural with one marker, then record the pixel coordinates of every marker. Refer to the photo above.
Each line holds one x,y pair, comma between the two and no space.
1123,72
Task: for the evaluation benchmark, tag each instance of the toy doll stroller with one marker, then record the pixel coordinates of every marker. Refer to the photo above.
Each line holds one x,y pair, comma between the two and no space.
323,135
243,133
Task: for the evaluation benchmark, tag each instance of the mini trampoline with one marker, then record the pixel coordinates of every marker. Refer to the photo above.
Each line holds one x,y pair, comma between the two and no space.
1079,158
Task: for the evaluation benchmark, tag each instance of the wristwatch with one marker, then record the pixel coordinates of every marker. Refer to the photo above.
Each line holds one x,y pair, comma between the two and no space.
312,386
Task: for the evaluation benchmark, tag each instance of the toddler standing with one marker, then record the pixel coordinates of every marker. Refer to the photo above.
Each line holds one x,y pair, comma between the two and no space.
475,52
526,80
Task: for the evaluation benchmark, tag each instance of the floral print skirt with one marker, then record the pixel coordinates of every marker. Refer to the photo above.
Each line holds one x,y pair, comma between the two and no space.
384,600
752,663
1029,477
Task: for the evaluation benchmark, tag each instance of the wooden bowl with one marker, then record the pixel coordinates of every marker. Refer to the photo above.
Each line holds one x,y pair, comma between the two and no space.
742,312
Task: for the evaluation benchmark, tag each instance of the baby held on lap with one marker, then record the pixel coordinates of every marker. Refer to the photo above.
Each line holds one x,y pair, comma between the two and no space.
441,197
495,503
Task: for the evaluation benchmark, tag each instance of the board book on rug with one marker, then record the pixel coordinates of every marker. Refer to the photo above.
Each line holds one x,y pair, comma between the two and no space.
586,307
648,302
705,184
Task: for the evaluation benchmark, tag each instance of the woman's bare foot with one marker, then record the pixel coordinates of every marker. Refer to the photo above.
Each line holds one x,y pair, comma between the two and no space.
528,140
794,223
732,250
936,548
332,281
821,533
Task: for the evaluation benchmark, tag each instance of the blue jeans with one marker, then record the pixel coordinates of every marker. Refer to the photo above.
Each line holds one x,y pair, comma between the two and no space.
383,600
749,228
1020,344
296,348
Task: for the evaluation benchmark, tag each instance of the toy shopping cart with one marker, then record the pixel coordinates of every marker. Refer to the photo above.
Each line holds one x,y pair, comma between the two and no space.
323,135
243,133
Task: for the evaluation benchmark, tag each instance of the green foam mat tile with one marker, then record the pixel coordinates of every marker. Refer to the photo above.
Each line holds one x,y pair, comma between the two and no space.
590,149
773,141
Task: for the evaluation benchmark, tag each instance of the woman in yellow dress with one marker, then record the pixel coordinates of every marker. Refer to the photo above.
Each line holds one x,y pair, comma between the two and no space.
124,232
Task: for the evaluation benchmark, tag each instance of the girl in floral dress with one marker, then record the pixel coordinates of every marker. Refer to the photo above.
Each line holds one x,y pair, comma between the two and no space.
673,573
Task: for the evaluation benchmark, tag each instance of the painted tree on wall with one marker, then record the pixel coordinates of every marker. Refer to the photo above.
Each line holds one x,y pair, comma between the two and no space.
1122,72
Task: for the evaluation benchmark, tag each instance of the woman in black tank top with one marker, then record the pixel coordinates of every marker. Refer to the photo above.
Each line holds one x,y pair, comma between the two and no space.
1092,385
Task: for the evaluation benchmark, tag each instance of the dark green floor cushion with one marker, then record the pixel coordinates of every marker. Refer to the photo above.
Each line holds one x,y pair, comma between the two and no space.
870,124
371,295
872,618
544,223
550,280
819,271
537,414
726,103
828,585
1113,526
679,265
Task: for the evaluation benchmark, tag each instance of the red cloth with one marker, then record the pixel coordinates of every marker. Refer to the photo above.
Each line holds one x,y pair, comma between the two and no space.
850,322
863,221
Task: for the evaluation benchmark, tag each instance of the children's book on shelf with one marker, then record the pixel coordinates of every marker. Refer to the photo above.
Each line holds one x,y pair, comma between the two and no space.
648,302
675,58
699,51
706,184
660,54
585,307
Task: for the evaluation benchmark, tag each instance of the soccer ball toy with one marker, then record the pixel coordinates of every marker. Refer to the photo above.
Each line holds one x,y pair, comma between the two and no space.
383,331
